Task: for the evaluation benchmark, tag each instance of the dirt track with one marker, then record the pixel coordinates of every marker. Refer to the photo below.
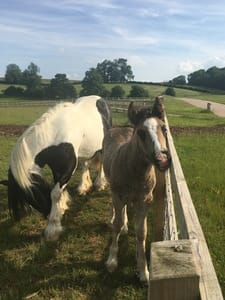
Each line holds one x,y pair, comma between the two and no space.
217,108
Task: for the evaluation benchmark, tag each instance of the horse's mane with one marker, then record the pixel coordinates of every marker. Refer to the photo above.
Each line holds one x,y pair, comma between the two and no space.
22,161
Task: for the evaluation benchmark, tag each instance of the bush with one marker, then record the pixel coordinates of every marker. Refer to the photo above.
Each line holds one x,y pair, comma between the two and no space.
170,91
13,91
138,91
117,92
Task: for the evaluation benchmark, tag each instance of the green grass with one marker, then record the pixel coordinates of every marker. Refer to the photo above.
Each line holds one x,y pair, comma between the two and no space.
185,93
182,114
203,161
20,115
74,267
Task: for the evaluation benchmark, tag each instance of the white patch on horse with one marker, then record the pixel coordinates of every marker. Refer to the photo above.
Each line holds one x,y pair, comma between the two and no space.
152,125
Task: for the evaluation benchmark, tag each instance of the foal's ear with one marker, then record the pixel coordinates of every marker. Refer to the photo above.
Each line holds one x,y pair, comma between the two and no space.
158,109
132,113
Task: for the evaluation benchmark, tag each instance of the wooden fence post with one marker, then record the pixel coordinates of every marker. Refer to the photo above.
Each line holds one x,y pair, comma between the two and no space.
173,272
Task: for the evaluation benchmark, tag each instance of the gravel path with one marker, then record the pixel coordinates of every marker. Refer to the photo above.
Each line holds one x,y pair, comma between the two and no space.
217,108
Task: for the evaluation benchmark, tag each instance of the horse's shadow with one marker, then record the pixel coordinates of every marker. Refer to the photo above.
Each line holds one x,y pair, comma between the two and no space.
44,270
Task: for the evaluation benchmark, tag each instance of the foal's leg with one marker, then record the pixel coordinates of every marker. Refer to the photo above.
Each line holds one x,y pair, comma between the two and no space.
141,232
125,219
86,182
112,261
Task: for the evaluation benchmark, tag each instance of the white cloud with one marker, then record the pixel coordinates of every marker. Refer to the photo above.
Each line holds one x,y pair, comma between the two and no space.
148,12
189,66
218,61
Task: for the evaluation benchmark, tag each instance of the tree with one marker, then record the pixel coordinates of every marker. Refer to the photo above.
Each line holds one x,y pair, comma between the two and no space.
30,76
199,78
61,87
170,91
92,83
115,71
117,92
179,80
138,91
13,74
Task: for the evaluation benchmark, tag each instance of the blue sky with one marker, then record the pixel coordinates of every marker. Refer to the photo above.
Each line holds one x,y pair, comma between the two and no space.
160,39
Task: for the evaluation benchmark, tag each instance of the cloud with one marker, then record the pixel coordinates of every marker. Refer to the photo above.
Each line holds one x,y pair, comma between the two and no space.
138,39
218,61
189,66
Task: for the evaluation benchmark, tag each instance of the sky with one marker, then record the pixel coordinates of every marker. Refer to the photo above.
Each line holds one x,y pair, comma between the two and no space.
160,39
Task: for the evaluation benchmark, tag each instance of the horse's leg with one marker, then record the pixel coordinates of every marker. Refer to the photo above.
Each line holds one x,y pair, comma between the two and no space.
125,219
141,233
86,182
62,169
112,261
60,199
100,181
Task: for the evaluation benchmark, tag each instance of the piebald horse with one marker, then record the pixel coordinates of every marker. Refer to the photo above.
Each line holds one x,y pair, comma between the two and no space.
58,138
133,161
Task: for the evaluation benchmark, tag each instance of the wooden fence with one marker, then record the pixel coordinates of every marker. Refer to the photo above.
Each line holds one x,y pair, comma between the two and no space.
180,213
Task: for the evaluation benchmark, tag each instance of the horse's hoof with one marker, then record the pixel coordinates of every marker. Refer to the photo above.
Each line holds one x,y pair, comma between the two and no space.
124,229
52,233
111,265
144,278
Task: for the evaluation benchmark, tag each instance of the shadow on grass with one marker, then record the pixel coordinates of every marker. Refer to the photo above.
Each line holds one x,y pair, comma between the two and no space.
74,265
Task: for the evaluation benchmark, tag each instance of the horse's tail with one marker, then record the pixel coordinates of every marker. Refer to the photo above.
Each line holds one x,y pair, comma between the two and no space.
105,112
26,186
20,200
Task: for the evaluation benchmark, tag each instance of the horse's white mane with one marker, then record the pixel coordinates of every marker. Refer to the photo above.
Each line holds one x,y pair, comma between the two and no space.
22,160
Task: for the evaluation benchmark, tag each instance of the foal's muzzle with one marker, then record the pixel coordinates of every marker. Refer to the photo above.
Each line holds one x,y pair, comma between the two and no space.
163,160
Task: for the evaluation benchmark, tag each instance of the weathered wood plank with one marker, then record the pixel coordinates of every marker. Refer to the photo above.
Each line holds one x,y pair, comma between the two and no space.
190,228
170,227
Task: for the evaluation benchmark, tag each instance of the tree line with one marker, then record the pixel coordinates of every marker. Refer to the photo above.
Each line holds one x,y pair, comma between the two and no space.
116,71
213,78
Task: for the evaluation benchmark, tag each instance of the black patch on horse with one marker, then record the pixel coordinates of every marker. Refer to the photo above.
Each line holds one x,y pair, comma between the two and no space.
61,160
106,114
20,200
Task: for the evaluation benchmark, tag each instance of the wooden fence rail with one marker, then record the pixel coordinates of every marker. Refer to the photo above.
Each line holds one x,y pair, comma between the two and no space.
177,193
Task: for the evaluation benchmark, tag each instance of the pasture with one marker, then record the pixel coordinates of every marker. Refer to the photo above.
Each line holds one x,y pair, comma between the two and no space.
74,266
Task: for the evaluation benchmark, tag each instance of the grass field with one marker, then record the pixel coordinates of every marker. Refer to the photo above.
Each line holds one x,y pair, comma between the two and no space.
74,267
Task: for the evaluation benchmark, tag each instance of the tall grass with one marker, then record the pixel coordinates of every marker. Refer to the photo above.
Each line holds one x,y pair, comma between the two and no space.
203,161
